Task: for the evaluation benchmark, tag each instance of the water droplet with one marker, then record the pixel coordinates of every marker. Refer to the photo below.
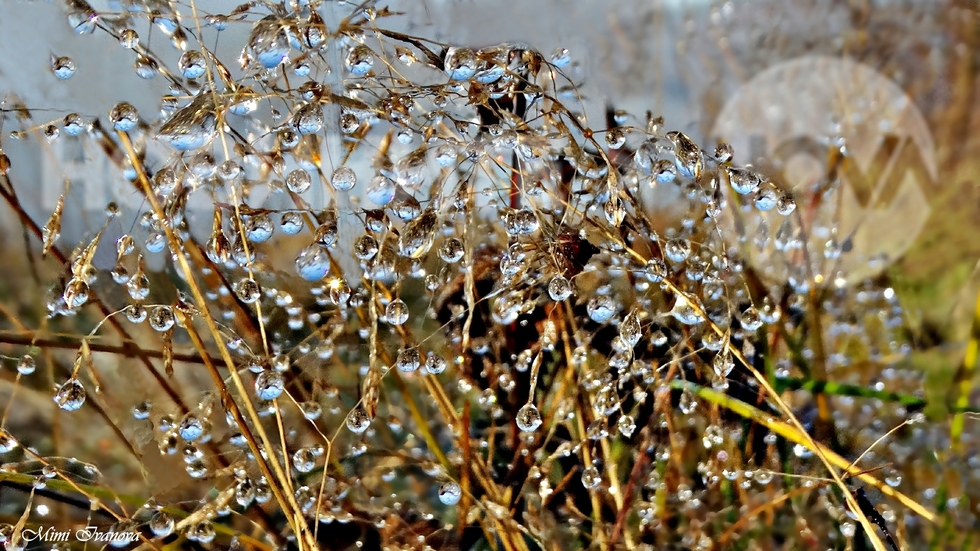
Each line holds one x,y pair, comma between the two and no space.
664,171
685,313
161,524
629,329
601,308
248,290
765,199
655,270
358,420
162,318
677,250
73,124
626,425
76,293
687,154
381,191
298,180
26,364
786,204
528,418
145,67
396,312
724,152
136,313
313,263
129,39
291,223
349,123
81,17
269,385
743,180
124,117
559,288
141,411
63,67
192,64
416,238
7,442
750,319
365,247
191,428
450,493
408,360
309,118
451,250
311,410
591,477
343,179
156,242
268,42
723,364
434,364
460,63
359,60
615,138
70,395
304,460
560,57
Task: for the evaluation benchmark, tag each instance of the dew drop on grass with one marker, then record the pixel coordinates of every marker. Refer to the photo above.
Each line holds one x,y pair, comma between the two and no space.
161,524
601,308
63,67
626,425
313,263
7,442
591,478
408,360
528,418
191,427
559,288
630,330
129,39
124,117
450,493
70,395
358,420
26,364
343,179
269,385
396,312
460,63
434,364
192,64
298,180
359,60
561,57
248,290
162,318
451,250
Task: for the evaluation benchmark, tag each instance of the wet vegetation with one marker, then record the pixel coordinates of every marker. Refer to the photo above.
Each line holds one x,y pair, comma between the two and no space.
411,297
